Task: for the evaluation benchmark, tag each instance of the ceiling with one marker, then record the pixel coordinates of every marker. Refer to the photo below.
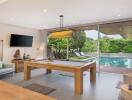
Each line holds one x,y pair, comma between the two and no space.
44,14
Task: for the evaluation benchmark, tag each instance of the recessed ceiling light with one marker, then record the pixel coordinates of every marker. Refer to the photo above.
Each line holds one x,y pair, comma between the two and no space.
3,1
44,10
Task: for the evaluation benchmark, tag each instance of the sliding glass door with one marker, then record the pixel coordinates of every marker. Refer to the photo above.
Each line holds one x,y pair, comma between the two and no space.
116,45
109,44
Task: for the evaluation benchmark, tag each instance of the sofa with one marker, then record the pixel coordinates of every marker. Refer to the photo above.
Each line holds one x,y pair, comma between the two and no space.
6,68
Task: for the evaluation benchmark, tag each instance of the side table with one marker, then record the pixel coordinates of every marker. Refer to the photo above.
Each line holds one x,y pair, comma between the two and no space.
126,94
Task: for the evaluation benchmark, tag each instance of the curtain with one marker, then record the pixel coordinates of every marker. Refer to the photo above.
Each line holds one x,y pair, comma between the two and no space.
1,50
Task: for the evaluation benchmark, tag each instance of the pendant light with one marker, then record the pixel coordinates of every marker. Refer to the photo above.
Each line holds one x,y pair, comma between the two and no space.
62,33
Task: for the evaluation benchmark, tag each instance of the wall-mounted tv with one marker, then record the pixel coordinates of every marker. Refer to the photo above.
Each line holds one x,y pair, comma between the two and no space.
21,40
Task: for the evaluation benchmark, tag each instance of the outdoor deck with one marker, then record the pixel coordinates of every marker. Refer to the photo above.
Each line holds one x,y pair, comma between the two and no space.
115,70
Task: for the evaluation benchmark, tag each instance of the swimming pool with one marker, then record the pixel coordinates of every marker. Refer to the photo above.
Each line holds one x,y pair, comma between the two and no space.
116,62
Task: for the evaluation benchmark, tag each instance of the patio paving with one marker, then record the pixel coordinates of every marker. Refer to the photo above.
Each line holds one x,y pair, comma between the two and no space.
115,70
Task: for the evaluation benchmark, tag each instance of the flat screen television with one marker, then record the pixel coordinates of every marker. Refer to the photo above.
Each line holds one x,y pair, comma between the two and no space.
21,40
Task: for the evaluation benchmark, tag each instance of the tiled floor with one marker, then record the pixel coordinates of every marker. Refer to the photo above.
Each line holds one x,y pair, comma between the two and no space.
104,89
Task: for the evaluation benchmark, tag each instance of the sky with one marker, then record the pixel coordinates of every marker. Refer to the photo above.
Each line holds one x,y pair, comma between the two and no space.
94,35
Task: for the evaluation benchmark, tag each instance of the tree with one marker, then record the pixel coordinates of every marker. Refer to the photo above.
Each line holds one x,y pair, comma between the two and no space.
90,45
110,45
104,45
59,47
75,43
128,46
78,40
116,45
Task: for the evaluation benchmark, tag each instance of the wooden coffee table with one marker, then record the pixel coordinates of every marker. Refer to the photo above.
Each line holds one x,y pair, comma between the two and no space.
12,92
69,66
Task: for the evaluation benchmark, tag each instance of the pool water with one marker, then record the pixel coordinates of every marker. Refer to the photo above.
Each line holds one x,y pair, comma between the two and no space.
116,62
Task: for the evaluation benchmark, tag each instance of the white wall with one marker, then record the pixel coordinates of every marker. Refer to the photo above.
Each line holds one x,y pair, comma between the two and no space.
6,30
43,42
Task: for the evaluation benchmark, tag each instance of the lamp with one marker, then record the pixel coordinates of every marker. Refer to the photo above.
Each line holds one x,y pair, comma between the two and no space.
62,34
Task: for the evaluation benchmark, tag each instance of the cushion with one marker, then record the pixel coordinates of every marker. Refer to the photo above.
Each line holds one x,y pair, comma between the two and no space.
6,70
0,64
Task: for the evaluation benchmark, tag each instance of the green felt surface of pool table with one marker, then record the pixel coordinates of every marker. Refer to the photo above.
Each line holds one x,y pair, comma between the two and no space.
62,62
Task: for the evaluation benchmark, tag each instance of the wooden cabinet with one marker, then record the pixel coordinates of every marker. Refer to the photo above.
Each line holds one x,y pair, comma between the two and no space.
19,65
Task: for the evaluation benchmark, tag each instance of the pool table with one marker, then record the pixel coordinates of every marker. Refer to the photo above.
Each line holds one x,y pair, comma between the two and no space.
69,66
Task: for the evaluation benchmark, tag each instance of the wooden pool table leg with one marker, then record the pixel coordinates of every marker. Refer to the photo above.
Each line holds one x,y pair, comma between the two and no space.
48,71
27,72
93,73
78,82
